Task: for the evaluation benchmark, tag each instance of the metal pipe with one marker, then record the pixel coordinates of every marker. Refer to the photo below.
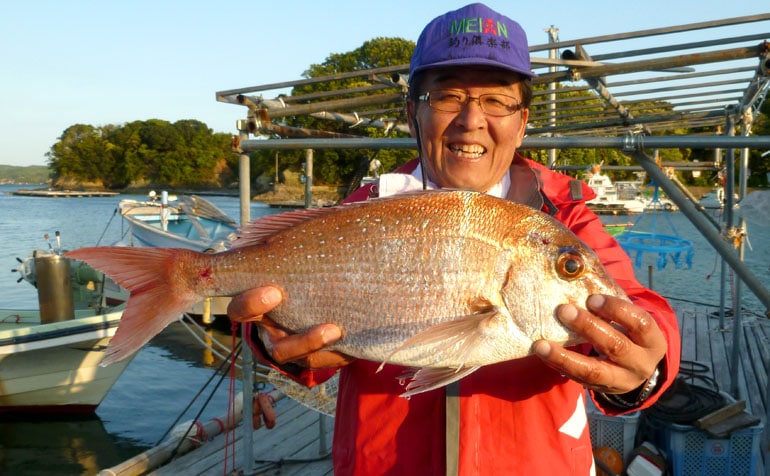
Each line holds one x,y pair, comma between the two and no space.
553,37
741,230
654,31
308,178
247,358
361,101
651,64
224,95
627,142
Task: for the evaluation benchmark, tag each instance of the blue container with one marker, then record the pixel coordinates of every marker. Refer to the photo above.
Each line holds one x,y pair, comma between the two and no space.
691,452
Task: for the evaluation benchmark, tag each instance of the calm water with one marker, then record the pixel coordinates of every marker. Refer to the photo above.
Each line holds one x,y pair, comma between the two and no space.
162,379
165,375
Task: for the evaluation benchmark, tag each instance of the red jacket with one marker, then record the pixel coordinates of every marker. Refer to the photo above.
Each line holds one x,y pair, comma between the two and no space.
516,418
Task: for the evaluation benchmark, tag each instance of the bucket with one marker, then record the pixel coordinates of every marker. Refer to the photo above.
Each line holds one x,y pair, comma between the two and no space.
54,289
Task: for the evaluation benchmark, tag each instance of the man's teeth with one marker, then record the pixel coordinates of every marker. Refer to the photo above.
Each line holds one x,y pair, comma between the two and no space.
467,150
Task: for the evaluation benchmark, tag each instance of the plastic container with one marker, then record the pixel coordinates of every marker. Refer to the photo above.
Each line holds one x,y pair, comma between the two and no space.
691,452
617,432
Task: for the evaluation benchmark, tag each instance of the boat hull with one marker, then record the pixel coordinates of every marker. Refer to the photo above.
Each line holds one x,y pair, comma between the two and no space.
54,368
170,227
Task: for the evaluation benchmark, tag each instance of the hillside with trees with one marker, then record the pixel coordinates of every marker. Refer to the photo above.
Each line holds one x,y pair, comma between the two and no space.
32,174
183,153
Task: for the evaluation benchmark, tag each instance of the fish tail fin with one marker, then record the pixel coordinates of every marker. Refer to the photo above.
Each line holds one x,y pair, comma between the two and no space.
158,295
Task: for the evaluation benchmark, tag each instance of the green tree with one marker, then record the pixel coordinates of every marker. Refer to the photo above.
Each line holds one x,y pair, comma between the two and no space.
340,166
183,153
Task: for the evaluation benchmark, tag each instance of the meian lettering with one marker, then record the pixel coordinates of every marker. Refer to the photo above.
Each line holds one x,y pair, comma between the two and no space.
478,25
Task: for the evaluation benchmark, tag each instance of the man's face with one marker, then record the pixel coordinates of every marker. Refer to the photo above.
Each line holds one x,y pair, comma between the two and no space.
468,149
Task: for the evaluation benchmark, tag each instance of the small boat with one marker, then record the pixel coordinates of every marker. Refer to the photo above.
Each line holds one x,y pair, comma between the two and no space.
623,196
608,200
194,223
53,368
49,357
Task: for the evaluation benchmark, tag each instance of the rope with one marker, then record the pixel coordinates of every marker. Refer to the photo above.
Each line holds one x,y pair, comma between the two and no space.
114,212
192,326
687,401
195,397
683,403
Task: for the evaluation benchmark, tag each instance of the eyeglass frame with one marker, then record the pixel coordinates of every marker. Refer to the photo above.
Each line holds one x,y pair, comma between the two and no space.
468,98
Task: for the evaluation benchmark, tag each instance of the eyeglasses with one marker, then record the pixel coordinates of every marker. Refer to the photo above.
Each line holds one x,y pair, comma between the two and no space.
454,100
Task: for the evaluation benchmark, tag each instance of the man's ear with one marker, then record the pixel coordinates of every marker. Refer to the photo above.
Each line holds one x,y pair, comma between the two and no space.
410,117
522,127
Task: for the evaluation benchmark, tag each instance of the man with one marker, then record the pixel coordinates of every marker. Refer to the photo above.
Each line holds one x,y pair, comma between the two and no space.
470,89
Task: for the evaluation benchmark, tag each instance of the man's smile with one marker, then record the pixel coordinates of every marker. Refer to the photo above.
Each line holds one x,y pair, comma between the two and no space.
467,151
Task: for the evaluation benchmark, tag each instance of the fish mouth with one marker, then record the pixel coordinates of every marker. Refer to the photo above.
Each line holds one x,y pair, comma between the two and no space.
467,151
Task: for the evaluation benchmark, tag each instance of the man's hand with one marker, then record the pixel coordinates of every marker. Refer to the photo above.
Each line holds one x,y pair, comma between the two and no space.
303,349
629,355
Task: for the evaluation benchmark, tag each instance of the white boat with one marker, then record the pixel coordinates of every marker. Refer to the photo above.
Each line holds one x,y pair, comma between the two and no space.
623,196
608,198
194,223
53,368
49,357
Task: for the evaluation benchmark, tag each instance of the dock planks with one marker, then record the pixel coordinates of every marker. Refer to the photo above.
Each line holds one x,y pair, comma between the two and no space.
293,447
63,193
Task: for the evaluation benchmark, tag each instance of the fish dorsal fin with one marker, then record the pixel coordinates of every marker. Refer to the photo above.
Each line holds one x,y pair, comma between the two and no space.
259,230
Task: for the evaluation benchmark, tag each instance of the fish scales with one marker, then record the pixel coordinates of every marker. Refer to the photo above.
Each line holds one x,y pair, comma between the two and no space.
372,274
441,279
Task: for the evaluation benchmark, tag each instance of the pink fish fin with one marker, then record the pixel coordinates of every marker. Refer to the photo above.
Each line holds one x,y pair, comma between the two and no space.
427,379
259,230
457,337
158,296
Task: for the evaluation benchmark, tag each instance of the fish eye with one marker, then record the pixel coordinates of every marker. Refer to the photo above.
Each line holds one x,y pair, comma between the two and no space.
570,265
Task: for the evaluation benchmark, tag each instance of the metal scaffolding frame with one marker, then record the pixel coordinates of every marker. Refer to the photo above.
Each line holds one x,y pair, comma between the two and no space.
676,82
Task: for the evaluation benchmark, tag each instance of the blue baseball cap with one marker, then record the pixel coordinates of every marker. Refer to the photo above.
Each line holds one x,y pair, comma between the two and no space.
474,35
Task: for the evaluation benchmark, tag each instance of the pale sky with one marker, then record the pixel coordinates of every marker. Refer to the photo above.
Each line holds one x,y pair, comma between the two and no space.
68,62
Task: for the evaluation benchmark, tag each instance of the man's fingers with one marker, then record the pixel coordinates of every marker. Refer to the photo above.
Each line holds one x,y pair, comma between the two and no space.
252,304
603,335
639,325
296,346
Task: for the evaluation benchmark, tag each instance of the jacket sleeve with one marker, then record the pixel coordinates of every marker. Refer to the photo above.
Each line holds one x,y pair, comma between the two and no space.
299,374
587,226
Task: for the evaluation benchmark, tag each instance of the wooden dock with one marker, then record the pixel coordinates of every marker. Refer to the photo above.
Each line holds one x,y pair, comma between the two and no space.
62,193
296,446
705,342
299,445
707,354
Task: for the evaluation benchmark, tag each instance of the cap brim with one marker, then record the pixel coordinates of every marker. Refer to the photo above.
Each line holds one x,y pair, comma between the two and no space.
473,62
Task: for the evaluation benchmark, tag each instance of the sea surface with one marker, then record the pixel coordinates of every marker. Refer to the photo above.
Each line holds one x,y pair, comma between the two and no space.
166,375
161,381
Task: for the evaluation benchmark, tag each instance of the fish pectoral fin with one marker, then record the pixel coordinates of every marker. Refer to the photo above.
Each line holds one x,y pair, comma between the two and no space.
427,379
457,337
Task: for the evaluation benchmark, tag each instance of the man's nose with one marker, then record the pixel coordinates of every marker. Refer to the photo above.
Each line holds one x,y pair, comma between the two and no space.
471,115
